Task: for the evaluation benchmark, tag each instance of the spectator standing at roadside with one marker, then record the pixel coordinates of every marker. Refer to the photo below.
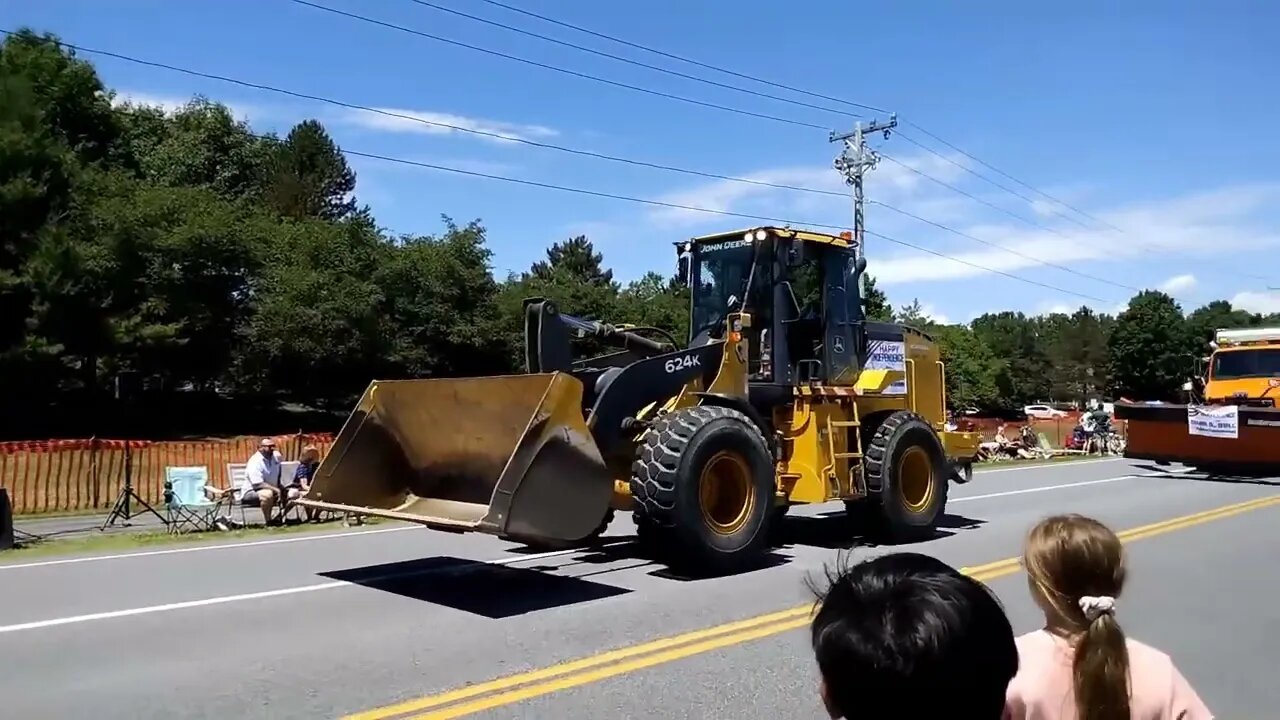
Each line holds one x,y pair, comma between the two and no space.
1080,666
261,485
905,635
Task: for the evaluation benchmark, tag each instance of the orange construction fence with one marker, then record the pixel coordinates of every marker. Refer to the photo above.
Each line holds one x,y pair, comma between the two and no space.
49,476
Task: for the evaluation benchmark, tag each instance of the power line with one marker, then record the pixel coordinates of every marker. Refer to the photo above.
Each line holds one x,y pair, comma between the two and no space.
710,211
534,143
971,171
444,125
1036,260
656,68
555,68
971,196
575,151
1010,177
690,61
790,88
630,61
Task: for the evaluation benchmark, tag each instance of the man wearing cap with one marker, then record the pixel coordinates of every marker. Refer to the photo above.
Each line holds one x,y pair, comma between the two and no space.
261,485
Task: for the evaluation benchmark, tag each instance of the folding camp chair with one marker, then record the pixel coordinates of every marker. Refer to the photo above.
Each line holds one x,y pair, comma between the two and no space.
189,509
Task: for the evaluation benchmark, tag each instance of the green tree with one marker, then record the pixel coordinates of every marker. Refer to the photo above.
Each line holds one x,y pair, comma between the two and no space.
577,260
1205,321
658,302
310,176
1148,348
1015,340
972,369
202,145
875,303
438,304
74,105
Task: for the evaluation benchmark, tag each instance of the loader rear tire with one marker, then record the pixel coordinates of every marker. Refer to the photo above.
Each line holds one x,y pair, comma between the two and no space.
905,459
703,484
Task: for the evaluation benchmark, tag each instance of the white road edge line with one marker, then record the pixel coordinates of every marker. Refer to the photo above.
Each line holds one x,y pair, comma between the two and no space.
38,624
1043,488
1051,464
333,535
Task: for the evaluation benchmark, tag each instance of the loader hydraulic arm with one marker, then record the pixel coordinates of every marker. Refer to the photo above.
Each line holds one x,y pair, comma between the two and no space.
547,334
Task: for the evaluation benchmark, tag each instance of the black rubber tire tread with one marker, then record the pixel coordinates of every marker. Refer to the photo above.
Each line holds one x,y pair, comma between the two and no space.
900,430
664,488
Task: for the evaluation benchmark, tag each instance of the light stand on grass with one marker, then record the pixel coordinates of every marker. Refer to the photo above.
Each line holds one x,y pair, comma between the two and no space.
123,508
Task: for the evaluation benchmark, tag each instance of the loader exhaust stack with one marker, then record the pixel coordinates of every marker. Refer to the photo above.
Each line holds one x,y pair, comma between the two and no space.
504,455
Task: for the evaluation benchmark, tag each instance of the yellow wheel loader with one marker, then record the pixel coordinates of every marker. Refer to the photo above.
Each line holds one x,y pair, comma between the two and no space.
784,393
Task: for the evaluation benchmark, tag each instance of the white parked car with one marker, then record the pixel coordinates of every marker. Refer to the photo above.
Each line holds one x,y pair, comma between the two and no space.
1043,412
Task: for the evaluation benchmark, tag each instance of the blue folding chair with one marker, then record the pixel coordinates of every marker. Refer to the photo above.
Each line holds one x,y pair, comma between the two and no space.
189,509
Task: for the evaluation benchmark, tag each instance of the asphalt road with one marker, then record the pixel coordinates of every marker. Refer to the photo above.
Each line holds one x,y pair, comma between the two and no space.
322,627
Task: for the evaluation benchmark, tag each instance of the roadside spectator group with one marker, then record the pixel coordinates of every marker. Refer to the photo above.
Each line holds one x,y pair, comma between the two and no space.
905,635
264,487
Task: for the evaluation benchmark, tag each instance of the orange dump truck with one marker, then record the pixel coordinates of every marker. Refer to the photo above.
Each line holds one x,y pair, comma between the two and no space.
1236,429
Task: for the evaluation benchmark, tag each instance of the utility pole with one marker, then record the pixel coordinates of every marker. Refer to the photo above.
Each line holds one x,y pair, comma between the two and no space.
853,162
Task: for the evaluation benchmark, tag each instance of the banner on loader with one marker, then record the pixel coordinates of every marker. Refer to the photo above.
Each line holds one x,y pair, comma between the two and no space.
1219,421
889,355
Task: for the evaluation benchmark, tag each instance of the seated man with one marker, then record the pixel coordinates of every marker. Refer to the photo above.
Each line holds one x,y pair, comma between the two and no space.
906,635
261,485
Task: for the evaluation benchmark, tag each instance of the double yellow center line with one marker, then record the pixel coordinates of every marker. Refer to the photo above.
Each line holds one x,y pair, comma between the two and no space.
517,688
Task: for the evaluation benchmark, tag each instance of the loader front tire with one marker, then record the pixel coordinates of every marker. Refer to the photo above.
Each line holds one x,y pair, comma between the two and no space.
906,461
703,484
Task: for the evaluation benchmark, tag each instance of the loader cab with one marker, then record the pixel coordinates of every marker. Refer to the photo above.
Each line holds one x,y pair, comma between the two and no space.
801,290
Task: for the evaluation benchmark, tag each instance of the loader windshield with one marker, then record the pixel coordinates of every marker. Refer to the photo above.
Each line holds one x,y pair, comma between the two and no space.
1239,364
720,273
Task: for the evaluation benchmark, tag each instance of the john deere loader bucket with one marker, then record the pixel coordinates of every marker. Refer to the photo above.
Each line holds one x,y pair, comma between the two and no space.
507,455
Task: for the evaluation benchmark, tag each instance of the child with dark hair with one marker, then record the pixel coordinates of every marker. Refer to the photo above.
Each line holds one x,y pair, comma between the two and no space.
906,635
1081,666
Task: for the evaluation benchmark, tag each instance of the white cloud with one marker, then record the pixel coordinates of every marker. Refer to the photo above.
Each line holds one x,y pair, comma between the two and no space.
171,103
890,182
1052,308
931,312
1178,284
433,123
1258,302
1201,224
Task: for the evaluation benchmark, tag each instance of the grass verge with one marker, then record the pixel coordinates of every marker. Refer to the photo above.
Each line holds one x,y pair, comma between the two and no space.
125,541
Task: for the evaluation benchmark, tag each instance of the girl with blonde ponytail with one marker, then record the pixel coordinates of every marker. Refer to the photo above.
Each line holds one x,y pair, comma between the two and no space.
1080,666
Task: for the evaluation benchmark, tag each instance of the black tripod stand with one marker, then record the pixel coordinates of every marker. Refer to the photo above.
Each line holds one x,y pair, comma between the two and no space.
122,508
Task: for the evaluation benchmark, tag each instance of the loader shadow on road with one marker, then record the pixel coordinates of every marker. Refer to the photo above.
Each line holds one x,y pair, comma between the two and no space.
485,589
634,550
836,531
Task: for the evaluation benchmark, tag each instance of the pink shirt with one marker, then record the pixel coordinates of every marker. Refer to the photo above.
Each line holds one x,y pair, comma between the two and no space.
1042,689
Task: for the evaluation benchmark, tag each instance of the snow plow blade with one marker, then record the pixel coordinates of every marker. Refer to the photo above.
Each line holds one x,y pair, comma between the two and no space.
1249,443
504,455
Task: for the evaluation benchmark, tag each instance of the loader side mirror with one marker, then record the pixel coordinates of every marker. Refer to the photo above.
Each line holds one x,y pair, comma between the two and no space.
682,269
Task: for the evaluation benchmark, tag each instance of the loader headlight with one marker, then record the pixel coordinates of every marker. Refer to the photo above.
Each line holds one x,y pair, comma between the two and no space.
761,235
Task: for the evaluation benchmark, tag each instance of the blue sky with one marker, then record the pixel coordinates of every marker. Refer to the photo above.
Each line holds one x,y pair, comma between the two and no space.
1154,117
